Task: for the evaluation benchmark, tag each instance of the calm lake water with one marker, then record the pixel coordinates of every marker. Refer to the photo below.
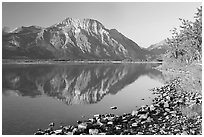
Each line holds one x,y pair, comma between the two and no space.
35,95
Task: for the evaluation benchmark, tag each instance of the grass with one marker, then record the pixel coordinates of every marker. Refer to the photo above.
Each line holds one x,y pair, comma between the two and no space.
191,81
191,75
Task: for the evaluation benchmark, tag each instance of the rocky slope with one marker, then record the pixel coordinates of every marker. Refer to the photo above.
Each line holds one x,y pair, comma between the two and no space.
71,39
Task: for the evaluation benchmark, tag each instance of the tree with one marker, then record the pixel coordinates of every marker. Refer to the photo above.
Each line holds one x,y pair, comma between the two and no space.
186,44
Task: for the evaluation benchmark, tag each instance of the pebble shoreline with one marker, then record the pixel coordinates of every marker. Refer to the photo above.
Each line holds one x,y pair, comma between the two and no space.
163,117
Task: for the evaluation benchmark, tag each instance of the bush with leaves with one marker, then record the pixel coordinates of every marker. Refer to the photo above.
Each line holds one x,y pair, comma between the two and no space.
186,44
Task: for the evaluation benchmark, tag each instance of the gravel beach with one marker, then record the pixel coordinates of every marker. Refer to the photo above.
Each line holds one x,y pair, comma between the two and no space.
169,114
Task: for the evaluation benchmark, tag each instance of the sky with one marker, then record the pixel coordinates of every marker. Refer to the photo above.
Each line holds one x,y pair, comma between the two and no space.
145,23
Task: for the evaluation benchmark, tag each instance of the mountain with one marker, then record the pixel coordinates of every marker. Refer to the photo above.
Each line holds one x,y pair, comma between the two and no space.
156,51
71,39
72,84
162,46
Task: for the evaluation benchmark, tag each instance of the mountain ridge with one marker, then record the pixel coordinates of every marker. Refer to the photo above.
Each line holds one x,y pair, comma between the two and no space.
70,39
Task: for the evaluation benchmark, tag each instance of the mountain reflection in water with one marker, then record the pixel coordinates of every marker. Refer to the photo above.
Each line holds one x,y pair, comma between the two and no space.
73,83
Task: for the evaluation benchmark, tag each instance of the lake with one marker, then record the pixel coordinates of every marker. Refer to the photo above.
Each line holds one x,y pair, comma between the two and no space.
35,95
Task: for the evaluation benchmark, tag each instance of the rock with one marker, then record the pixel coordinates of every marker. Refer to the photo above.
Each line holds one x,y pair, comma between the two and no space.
142,112
134,124
168,98
167,109
92,120
58,131
103,120
166,104
39,133
114,107
69,133
48,130
110,123
124,114
134,113
97,115
149,119
173,115
151,107
99,122
144,116
167,117
117,127
79,122
71,128
184,133
74,130
164,95
82,126
143,107
173,112
112,115
180,101
163,132
102,134
165,114
176,130
66,129
139,133
109,118
83,134
39,129
192,131
92,125
93,131
61,126
52,124
125,121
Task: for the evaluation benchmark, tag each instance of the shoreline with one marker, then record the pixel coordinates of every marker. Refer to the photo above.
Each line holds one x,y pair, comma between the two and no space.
74,62
163,117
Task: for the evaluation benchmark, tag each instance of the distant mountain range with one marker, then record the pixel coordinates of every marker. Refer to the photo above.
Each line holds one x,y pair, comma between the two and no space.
159,47
71,39
158,50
